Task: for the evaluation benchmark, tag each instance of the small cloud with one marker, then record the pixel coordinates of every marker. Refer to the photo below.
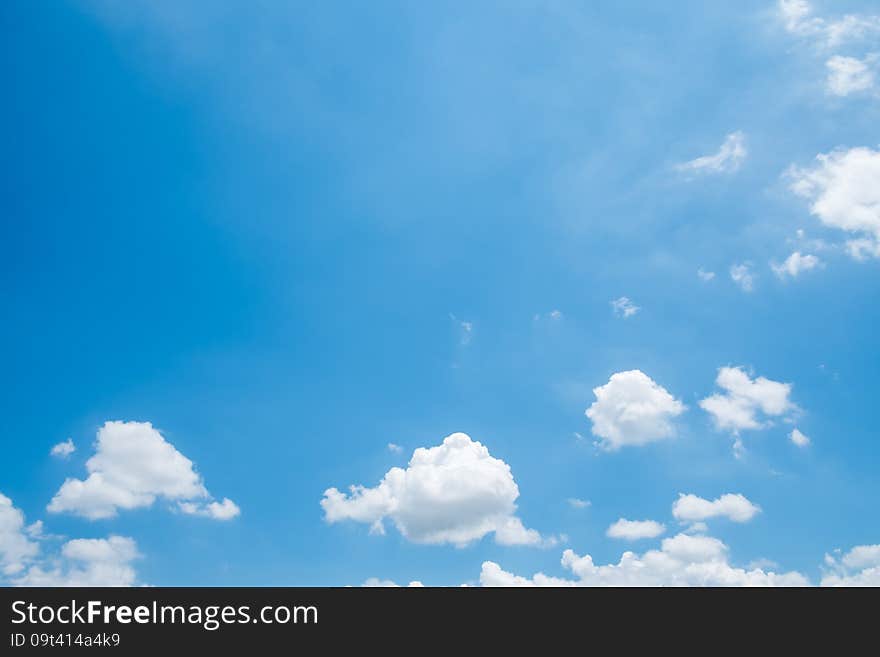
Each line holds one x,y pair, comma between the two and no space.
734,506
704,275
742,275
634,530
624,307
577,503
395,448
64,449
465,330
225,510
848,75
728,159
795,264
798,438
553,315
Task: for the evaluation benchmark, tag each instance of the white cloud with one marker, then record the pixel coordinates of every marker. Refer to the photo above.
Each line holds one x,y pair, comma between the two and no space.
553,315
133,465
862,556
633,530
394,448
465,330
692,508
375,582
744,398
81,562
454,493
729,157
631,409
87,562
848,75
624,307
577,503
16,548
798,438
225,510
798,18
858,567
682,560
742,275
844,190
704,275
63,449
795,264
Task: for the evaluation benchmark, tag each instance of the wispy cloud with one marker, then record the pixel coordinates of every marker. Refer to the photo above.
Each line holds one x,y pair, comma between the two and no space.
624,307
728,159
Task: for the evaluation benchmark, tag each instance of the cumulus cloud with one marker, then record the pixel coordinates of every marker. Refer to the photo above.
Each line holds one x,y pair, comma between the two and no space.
798,438
80,562
631,409
744,399
849,75
682,560
225,510
624,307
455,493
692,508
633,530
844,190
729,157
63,449
16,548
858,567
375,582
795,264
87,562
742,275
133,465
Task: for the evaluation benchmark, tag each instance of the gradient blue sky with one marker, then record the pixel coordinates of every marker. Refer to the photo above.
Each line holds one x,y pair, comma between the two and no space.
260,226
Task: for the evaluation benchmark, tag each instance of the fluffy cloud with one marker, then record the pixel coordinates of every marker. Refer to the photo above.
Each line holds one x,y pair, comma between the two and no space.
729,157
858,567
133,464
16,549
736,507
631,409
623,307
454,493
225,510
633,530
742,275
63,449
744,398
798,18
682,560
795,264
80,562
844,190
87,562
375,582
798,438
848,75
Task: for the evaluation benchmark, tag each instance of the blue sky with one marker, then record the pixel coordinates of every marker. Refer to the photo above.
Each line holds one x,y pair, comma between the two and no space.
289,235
